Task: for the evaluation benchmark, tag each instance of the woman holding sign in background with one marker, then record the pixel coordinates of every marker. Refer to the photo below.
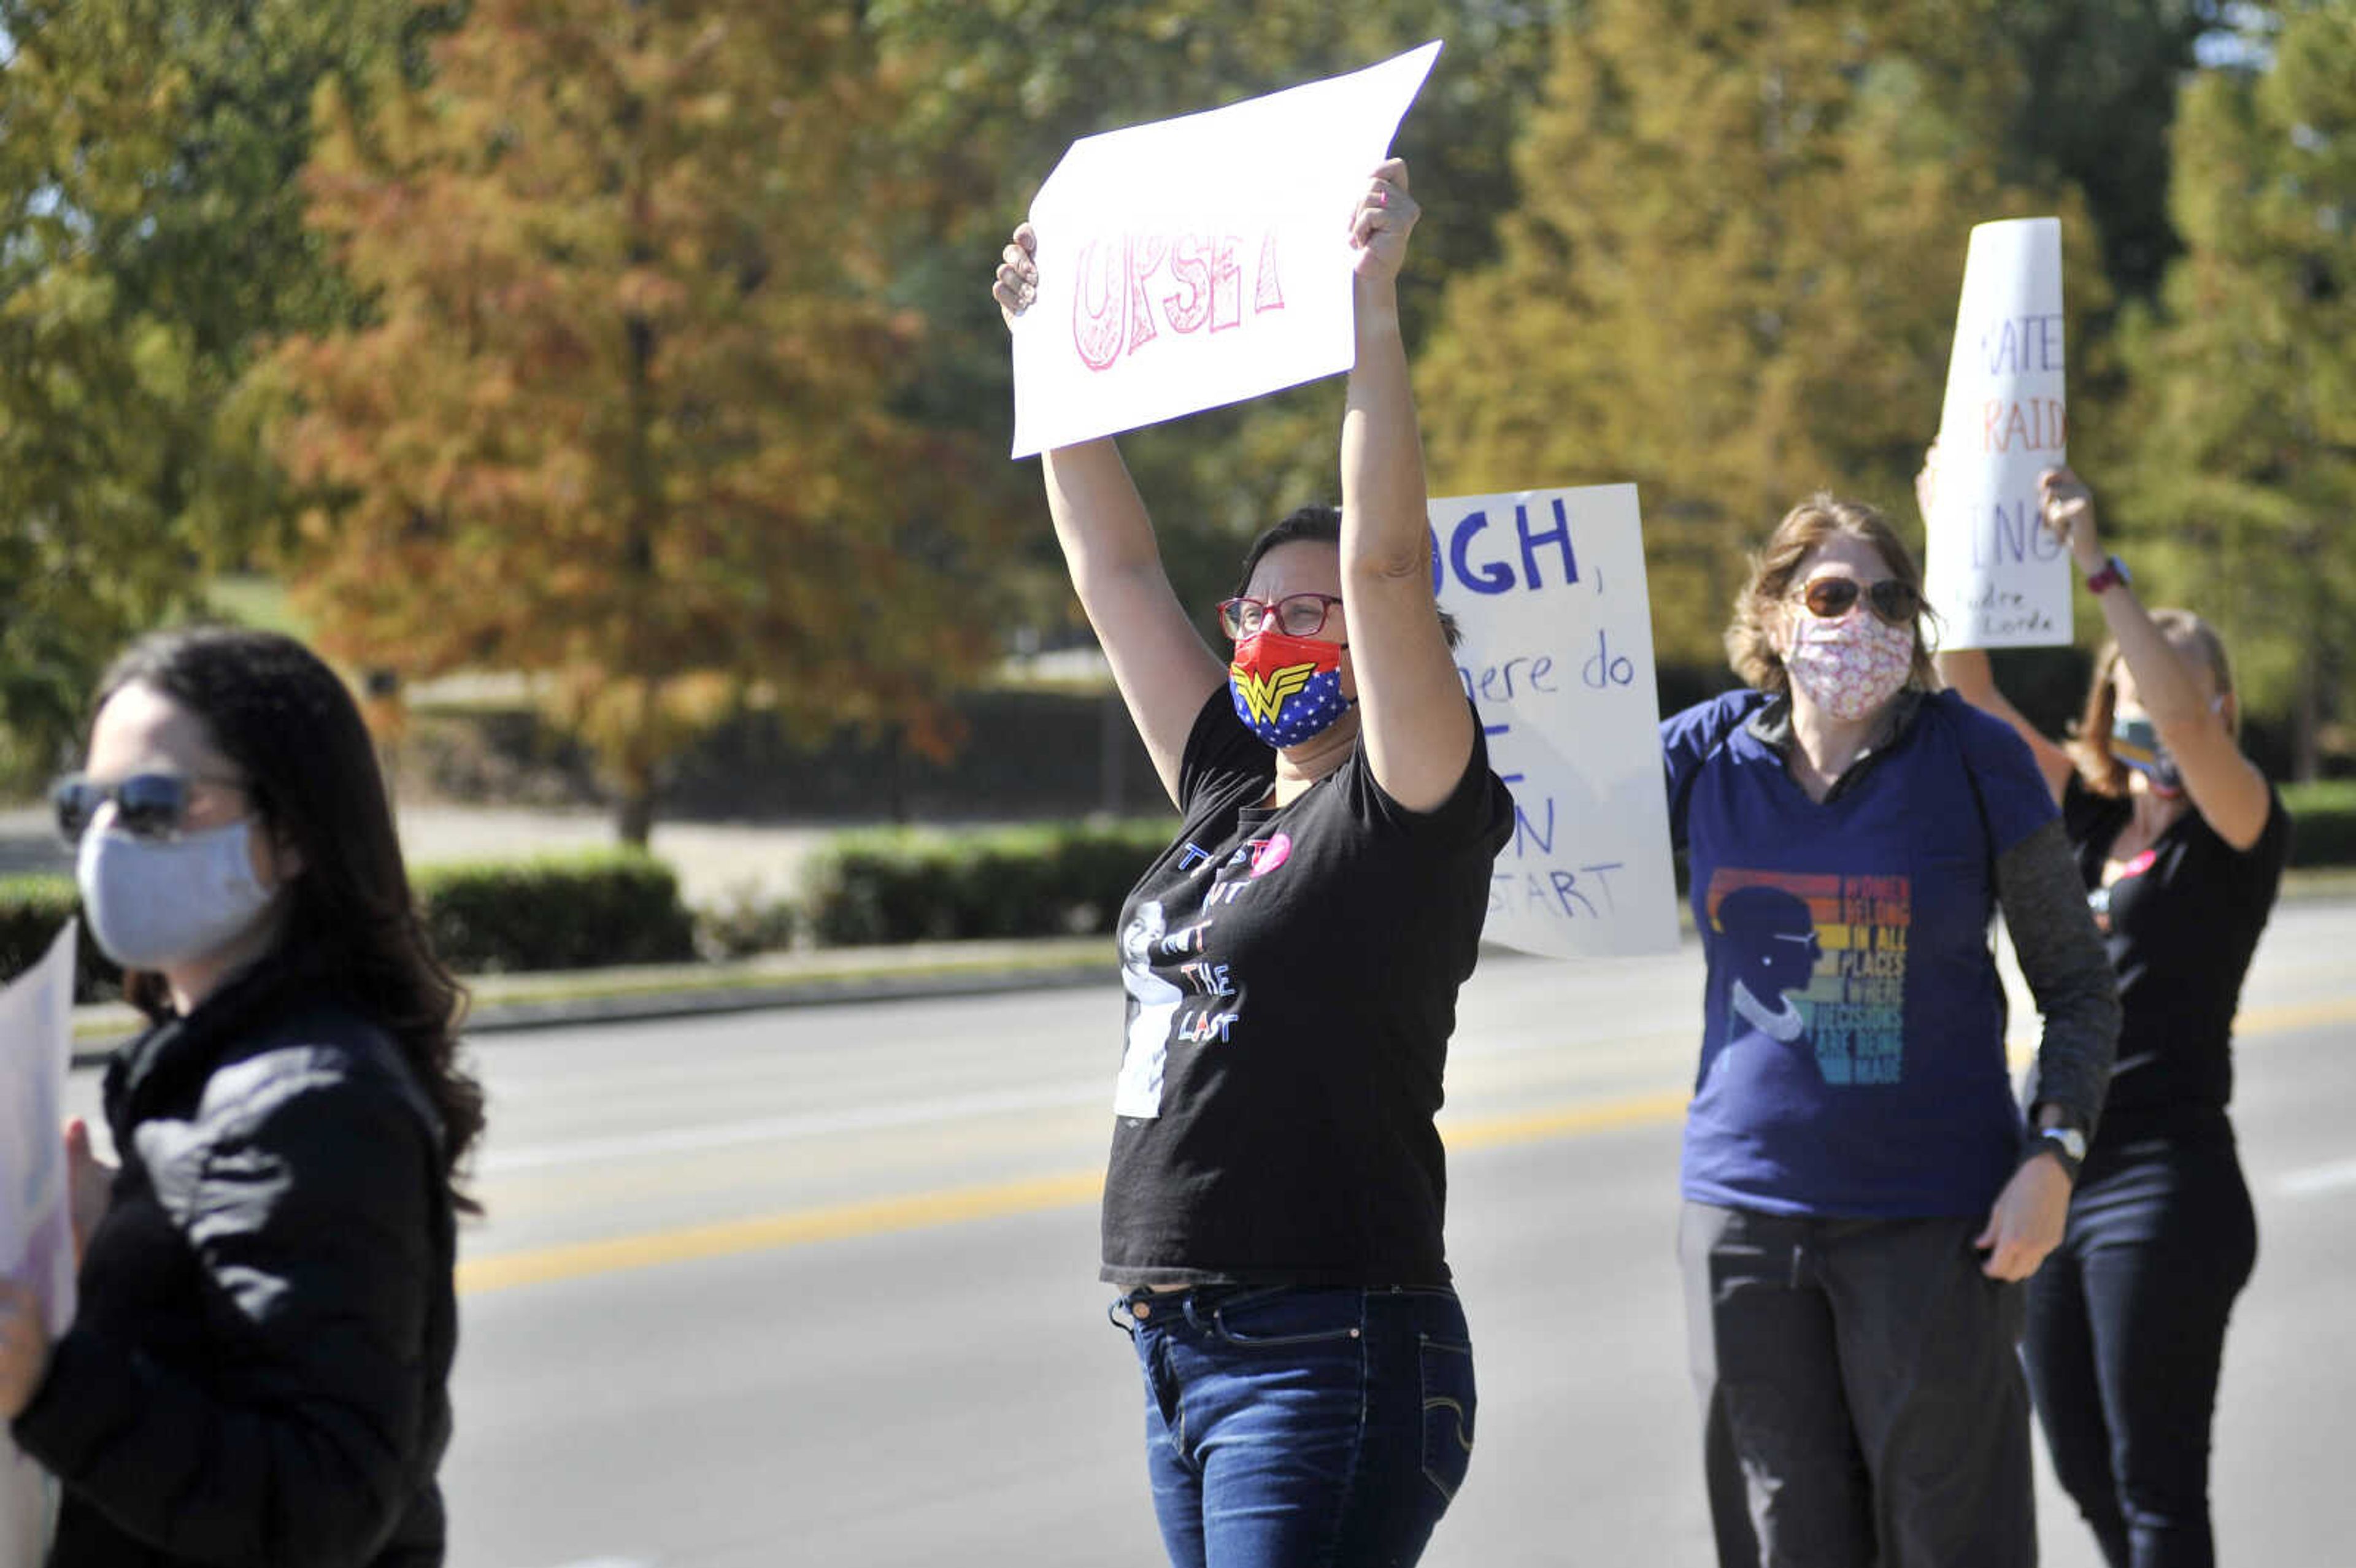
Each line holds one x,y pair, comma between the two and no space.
1860,1199
1272,1212
2180,842
258,1368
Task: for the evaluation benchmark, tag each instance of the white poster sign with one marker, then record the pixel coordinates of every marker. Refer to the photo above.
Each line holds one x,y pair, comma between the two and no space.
1198,262
1996,576
36,1224
1547,588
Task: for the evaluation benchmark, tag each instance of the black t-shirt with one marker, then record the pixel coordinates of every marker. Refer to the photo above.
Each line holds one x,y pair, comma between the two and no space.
1292,979
2182,925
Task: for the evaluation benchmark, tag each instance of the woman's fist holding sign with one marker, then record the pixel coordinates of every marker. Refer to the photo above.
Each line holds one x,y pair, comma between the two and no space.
1380,223
2068,509
1018,274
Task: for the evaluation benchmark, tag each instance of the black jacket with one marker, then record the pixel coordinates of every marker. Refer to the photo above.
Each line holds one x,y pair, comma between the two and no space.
258,1373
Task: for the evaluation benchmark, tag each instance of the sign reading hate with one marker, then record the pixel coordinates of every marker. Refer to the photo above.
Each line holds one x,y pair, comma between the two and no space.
1997,576
1198,262
1548,589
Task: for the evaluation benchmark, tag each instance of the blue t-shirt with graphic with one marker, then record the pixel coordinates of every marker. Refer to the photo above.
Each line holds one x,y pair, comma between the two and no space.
1852,1058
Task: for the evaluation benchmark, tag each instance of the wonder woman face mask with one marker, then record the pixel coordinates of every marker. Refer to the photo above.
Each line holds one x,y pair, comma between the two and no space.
1287,690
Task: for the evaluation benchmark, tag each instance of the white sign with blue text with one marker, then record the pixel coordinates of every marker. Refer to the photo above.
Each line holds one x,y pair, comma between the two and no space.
1548,589
1997,576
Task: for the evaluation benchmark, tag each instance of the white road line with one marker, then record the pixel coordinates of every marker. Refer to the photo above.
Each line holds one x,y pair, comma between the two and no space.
2317,1178
784,1129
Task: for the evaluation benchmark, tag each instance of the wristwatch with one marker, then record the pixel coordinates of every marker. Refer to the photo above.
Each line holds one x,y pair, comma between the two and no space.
2066,1144
2114,573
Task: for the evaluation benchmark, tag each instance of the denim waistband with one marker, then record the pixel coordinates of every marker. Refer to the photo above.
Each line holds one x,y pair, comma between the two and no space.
1200,1305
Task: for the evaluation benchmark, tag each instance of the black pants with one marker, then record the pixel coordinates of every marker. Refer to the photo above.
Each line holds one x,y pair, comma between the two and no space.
1861,1401
2127,1330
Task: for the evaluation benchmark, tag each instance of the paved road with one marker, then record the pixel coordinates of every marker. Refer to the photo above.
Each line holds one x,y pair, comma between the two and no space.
817,1286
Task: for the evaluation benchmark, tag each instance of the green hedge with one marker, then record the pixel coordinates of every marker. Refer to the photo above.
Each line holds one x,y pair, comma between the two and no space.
912,885
571,912
32,906
2322,822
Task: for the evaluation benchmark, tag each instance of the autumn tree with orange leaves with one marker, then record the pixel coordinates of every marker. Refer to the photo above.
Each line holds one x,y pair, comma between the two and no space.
623,418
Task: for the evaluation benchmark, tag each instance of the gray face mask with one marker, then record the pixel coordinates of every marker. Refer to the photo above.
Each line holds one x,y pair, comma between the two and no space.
153,903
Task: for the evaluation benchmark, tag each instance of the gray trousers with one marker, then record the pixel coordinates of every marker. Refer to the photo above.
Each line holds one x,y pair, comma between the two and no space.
1862,1405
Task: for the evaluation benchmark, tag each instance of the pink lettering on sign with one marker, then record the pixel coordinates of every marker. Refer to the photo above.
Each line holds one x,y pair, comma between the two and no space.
1133,290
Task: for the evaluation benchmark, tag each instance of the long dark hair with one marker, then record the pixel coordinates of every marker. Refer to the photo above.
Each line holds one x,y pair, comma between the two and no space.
273,708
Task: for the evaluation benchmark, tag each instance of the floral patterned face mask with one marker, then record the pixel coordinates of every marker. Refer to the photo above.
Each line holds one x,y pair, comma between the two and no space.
1851,665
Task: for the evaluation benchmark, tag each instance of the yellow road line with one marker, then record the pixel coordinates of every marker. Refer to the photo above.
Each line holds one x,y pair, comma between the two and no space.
919,1210
950,1206
768,1232
1535,1127
2294,1015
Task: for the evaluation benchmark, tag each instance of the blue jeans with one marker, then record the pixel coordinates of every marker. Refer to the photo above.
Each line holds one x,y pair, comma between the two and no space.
1296,1427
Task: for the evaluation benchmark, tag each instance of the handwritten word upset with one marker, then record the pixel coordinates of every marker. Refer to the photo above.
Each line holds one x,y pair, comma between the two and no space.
1195,280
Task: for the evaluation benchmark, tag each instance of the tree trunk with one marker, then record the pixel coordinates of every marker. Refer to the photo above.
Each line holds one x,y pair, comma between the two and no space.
1112,752
634,813
2306,723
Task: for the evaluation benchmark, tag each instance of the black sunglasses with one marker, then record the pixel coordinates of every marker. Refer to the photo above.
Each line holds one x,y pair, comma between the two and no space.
1830,598
146,806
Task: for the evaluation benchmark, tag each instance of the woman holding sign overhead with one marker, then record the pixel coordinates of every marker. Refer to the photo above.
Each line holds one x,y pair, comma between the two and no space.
2179,840
1272,1210
1861,1198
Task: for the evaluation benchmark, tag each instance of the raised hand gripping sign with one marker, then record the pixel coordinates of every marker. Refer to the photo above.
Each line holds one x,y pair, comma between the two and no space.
1997,576
1547,588
1198,262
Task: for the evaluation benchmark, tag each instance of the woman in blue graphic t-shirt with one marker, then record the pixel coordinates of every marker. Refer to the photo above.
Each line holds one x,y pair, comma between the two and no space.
1273,1205
1862,1196
2181,841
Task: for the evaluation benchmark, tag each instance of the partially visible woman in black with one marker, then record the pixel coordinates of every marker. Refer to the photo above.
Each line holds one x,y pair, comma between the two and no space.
2181,841
259,1371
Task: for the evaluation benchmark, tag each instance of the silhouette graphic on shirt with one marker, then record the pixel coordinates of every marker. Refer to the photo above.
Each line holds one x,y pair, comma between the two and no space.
1773,941
1152,1001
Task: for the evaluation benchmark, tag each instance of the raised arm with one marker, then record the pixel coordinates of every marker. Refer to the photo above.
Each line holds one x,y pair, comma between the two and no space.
1418,729
2225,786
1968,672
1164,669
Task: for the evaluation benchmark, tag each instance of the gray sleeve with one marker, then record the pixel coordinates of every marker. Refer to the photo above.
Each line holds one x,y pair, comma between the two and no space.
2062,957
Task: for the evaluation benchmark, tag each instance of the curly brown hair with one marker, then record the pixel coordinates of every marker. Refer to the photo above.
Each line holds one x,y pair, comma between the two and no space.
2090,738
1750,637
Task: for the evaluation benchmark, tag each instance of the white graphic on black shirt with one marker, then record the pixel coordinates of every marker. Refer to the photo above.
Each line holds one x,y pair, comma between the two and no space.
1152,1001
1782,1022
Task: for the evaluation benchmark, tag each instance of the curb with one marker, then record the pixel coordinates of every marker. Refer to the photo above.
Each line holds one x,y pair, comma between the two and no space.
705,997
524,1015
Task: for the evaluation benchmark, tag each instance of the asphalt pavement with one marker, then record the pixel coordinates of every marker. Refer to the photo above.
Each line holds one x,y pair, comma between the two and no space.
817,1285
